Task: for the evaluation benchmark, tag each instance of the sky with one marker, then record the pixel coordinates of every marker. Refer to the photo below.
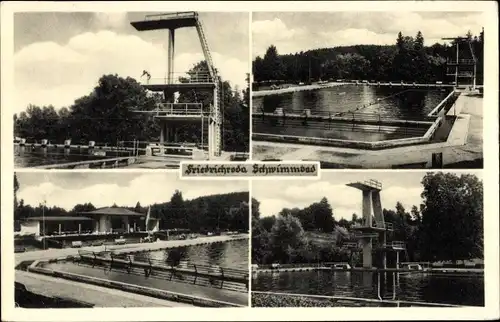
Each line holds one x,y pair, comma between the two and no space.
293,32
404,187
66,189
59,56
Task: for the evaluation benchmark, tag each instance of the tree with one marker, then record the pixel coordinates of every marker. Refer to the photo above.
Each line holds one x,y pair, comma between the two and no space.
107,114
261,243
267,223
415,215
273,68
323,216
86,207
287,236
16,188
138,207
408,60
452,217
255,208
419,42
17,206
175,217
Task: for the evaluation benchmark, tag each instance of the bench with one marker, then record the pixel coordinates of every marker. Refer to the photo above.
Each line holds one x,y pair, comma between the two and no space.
76,244
19,249
120,241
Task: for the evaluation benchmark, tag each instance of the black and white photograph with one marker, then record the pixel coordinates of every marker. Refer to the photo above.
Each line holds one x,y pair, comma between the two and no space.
369,239
130,89
91,239
369,89
235,159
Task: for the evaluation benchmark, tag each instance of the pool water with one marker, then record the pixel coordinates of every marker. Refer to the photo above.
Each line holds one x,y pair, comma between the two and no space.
459,290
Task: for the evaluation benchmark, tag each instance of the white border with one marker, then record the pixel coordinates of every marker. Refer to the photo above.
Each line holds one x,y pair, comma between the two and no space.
490,141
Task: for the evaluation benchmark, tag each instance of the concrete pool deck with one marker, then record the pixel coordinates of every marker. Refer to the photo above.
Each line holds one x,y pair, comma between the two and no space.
51,286
97,295
293,89
464,143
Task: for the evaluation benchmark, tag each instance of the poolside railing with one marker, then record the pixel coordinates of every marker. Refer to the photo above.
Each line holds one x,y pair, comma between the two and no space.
200,274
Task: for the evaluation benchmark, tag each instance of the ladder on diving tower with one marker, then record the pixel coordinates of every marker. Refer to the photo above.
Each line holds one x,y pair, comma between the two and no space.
216,118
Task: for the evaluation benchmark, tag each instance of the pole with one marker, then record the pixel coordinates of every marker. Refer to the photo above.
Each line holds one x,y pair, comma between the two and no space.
221,113
43,222
474,77
456,69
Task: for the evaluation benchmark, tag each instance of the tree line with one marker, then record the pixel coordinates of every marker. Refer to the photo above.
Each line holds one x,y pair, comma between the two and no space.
447,225
407,60
108,115
207,213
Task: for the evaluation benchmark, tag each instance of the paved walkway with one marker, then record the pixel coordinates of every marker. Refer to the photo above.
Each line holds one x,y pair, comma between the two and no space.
161,283
100,296
464,143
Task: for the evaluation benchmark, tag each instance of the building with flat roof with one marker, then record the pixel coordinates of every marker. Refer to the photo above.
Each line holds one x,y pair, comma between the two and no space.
52,225
100,221
113,219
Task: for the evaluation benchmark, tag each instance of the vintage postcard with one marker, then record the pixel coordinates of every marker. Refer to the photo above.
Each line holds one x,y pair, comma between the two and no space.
249,161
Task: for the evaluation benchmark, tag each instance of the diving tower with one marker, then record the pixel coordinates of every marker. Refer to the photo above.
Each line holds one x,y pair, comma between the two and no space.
372,232
464,63
171,114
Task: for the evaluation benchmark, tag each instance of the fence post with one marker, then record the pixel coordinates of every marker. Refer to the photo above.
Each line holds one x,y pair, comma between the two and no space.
112,261
94,261
195,273
378,286
222,280
129,268
394,285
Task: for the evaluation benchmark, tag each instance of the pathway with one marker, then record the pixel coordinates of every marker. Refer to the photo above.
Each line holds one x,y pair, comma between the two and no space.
100,296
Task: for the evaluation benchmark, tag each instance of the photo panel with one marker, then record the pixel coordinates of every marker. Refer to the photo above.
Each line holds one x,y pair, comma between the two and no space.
369,239
130,89
388,89
238,156
88,240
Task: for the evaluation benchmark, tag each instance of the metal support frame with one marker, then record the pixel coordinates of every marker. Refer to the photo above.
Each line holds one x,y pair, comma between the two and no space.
214,119
463,62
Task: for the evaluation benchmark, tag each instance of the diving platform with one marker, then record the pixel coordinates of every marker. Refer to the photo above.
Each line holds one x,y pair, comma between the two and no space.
179,111
393,246
174,20
180,82
367,185
377,226
470,62
177,87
